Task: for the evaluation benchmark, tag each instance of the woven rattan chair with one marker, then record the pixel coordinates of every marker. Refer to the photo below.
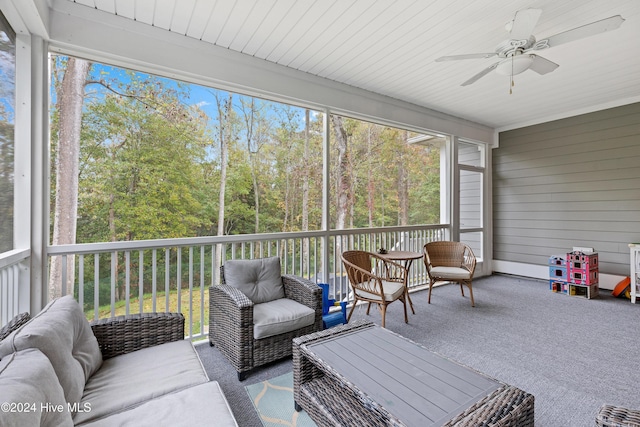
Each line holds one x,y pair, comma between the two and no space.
375,280
450,262
231,323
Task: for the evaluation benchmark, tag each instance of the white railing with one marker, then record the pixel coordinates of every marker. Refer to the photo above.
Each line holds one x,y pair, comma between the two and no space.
14,289
160,275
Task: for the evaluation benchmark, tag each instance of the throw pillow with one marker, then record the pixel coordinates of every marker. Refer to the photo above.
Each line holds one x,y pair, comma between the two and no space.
64,335
30,392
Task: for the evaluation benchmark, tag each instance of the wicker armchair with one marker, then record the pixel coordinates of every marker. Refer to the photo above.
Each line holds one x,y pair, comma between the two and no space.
231,323
450,262
617,416
375,279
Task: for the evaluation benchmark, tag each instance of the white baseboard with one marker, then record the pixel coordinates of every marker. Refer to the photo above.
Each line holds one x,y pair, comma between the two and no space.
606,281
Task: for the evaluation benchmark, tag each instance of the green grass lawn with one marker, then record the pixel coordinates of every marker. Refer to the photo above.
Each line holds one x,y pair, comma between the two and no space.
147,304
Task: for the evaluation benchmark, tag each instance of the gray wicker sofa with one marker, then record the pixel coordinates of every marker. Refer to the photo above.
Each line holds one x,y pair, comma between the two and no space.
59,370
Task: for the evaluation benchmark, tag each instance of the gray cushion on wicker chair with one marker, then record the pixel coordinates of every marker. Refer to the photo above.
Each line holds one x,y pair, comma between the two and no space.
259,279
279,316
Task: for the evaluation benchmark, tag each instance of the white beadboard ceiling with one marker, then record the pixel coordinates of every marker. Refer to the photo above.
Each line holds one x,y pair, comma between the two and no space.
390,46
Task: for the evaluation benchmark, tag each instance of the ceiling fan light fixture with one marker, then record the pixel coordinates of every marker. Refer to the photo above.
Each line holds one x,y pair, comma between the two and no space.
514,65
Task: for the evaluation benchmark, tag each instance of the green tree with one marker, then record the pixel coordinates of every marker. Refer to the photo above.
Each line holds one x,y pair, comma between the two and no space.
141,153
379,178
142,148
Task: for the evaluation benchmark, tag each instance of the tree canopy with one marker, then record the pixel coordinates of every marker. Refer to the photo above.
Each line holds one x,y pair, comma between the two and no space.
151,152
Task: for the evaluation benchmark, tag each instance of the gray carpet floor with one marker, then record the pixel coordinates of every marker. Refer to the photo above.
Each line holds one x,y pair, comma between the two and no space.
571,353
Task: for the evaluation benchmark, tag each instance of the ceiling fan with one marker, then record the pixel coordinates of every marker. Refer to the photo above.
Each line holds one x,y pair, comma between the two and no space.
516,53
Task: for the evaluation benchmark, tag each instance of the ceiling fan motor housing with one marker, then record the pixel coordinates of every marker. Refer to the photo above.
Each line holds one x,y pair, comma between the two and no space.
513,47
515,62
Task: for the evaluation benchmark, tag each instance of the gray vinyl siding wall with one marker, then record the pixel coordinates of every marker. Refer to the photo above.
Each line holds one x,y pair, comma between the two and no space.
566,183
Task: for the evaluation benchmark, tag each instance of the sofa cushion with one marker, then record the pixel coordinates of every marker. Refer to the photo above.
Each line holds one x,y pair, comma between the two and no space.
201,405
259,279
126,381
280,316
30,388
63,334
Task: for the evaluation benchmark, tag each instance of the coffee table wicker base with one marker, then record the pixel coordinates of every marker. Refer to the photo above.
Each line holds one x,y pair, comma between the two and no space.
617,416
330,401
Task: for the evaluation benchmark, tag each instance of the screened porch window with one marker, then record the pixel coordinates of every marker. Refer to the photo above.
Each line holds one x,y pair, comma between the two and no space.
7,133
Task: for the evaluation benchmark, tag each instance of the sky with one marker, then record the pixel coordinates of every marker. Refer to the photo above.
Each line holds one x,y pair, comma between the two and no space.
200,96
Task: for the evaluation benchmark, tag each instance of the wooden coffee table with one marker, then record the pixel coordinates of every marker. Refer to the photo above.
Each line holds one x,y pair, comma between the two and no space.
360,374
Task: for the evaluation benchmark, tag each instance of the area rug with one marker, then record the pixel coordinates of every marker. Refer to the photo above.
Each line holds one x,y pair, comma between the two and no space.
273,400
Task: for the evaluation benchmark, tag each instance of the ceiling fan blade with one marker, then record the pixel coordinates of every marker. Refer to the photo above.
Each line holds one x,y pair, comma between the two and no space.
592,29
524,22
480,74
466,56
542,65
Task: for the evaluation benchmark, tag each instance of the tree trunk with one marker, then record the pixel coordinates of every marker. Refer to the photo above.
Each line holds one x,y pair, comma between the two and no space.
250,123
403,184
371,185
112,233
305,191
287,191
224,116
70,100
344,181
354,190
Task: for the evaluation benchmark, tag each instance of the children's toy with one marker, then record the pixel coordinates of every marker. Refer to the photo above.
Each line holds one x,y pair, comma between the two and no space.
335,318
575,273
623,288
